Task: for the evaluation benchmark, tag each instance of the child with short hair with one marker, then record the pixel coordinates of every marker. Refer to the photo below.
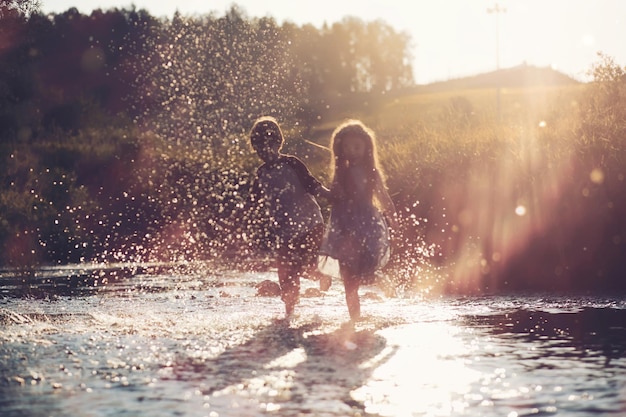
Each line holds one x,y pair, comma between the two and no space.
286,190
357,235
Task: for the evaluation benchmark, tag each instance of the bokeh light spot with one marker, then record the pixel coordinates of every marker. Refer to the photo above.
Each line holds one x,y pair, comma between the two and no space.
597,176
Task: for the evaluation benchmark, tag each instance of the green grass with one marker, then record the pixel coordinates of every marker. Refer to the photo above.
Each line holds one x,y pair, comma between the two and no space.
525,195
488,189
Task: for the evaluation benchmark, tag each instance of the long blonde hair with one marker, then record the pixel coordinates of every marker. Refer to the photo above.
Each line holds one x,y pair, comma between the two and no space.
339,165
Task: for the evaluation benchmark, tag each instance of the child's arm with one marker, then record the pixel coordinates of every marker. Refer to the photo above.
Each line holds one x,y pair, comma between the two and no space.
311,184
389,209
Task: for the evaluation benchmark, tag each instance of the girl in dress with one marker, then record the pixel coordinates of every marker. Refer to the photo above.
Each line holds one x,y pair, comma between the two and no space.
357,235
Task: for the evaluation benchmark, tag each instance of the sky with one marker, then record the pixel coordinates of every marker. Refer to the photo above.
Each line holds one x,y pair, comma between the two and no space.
450,38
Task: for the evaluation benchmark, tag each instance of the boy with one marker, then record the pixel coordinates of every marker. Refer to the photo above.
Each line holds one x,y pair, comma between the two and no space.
285,190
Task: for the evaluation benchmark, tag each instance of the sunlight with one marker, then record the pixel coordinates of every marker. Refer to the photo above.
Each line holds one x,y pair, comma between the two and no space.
426,374
288,360
588,40
504,213
270,388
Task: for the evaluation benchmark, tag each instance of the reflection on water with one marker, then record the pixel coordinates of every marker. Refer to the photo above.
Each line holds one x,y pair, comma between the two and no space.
565,360
427,375
287,368
165,341
587,332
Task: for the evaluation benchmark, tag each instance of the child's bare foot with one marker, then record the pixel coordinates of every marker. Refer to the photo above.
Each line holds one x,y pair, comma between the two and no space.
355,317
325,282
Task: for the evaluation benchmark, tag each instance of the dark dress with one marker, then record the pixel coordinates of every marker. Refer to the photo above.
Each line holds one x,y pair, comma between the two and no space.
357,235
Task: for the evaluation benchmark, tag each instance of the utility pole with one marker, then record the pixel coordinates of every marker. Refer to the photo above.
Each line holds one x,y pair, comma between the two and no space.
496,10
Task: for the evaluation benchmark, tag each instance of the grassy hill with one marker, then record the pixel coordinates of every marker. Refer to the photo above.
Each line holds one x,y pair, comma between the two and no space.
525,87
520,188
521,76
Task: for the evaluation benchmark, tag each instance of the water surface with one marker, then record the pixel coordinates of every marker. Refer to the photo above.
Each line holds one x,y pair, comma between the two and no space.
165,341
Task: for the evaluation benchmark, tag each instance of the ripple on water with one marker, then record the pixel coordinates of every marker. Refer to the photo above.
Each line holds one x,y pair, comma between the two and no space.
170,343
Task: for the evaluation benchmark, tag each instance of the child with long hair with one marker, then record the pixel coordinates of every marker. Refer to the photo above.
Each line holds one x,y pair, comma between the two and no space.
284,192
357,235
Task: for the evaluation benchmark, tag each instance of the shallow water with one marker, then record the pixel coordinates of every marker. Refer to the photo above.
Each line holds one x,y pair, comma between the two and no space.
164,341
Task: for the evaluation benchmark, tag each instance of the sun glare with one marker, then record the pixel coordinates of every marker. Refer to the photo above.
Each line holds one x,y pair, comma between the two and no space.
423,377
588,40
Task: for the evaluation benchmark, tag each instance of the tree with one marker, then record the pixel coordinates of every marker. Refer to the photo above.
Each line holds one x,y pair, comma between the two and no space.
20,7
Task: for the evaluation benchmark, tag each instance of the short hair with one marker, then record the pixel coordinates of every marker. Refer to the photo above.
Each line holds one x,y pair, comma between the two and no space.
266,129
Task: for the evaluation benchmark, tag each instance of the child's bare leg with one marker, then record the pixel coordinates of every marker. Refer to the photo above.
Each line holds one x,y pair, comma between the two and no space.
351,285
325,282
311,247
289,287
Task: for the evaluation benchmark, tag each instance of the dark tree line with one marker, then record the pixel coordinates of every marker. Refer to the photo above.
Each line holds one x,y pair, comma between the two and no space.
18,7
213,72
120,132
218,74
